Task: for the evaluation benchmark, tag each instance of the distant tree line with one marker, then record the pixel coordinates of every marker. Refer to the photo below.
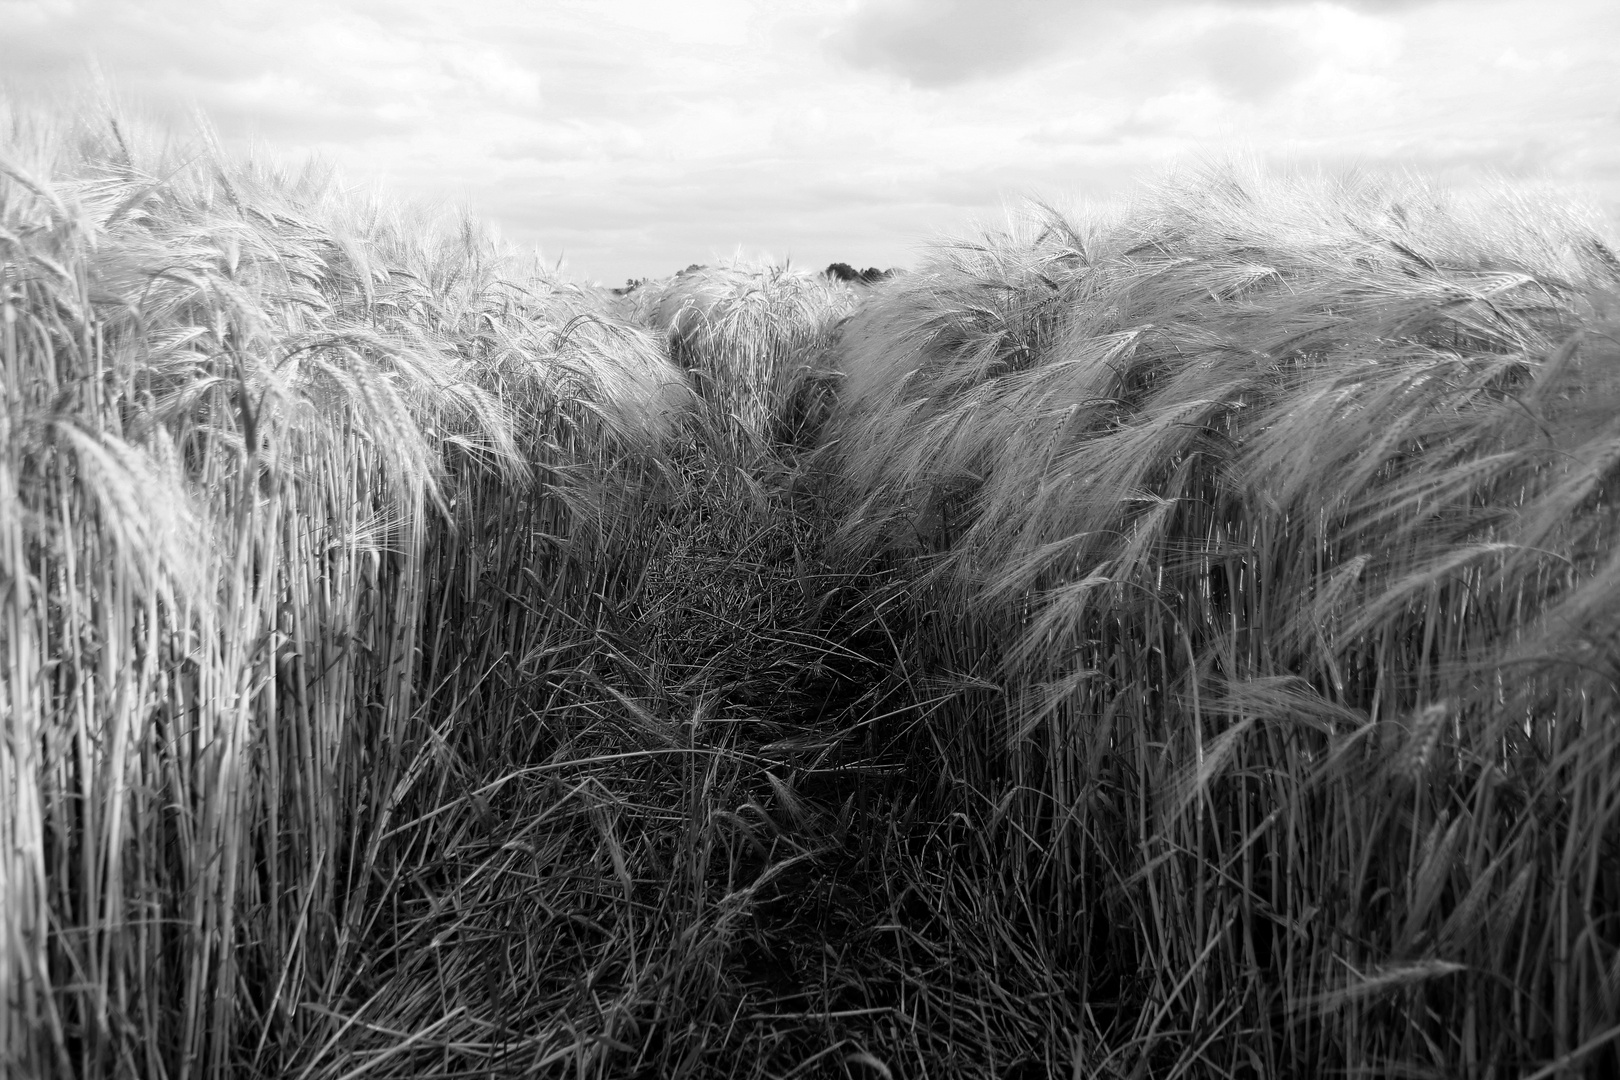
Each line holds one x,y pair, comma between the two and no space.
838,271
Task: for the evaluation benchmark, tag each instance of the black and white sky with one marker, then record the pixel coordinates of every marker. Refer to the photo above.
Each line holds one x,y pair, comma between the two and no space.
631,137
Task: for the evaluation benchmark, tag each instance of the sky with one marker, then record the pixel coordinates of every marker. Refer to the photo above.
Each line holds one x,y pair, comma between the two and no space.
626,138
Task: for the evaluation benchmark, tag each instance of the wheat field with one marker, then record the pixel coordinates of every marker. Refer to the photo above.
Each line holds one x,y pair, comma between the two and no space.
1180,641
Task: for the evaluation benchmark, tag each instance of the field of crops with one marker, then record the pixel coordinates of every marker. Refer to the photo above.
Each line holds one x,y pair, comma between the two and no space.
1180,642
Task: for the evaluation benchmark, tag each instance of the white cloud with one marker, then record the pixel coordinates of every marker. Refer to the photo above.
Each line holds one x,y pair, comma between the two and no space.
640,135
934,43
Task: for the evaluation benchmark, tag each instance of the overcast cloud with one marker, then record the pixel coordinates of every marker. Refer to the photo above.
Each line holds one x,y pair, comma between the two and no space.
631,138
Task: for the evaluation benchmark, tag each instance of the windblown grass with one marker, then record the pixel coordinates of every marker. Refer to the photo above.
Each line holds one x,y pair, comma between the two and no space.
1264,536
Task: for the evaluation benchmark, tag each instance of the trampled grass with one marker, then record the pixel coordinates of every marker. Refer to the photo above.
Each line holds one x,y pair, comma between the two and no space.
1174,644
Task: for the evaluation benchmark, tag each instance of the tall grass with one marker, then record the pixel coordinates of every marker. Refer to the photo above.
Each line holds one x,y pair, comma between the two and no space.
241,430
1170,644
752,340
1261,541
